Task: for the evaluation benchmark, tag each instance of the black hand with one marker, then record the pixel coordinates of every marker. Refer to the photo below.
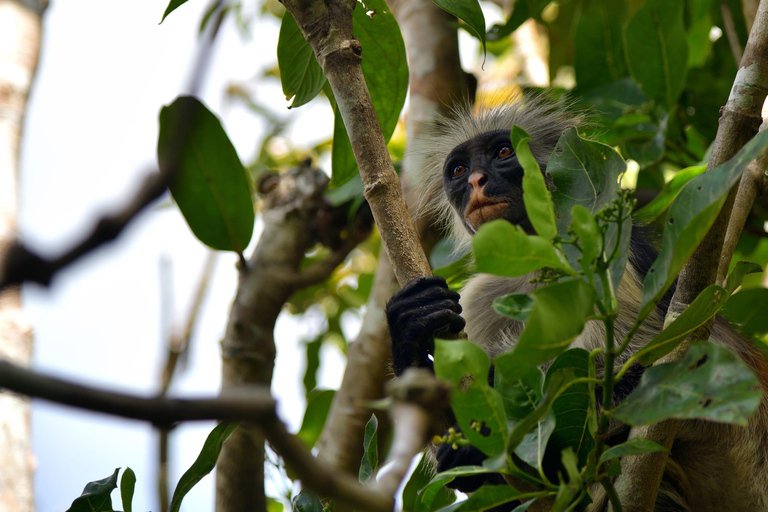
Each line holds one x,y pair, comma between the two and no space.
423,309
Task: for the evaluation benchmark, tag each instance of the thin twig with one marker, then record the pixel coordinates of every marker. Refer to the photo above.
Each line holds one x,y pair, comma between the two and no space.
730,31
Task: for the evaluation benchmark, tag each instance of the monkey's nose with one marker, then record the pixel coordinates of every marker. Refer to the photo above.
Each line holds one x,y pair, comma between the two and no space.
478,179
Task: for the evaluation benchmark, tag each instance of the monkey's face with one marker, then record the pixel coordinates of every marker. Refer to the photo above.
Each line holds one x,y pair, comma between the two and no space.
484,181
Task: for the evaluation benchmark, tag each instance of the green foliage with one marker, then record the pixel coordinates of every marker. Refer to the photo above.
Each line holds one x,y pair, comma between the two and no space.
660,204
418,480
204,463
469,12
172,6
748,311
708,383
657,50
370,451
523,9
504,249
478,407
301,75
538,200
318,404
210,184
558,316
690,217
127,486
634,446
96,495
599,58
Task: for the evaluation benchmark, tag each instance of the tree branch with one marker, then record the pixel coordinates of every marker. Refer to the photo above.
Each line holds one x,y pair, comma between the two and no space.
327,26
739,121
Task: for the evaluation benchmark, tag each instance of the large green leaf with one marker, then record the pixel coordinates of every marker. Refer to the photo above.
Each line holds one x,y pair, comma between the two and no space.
385,69
708,383
536,197
660,204
559,313
127,486
702,309
748,310
318,404
634,446
487,497
172,6
689,218
478,408
517,306
211,186
599,50
504,249
657,50
204,463
587,173
521,11
469,12
96,495
571,408
419,480
521,395
300,74
370,451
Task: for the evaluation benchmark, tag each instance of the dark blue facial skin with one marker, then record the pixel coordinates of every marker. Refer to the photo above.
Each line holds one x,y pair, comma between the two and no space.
483,180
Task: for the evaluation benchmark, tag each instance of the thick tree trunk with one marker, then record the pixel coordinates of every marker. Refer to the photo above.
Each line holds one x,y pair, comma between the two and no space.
19,47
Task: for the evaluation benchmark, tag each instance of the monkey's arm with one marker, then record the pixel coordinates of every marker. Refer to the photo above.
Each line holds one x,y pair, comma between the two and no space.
424,309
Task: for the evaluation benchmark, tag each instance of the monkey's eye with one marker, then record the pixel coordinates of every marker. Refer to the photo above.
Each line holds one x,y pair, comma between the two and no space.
503,152
459,170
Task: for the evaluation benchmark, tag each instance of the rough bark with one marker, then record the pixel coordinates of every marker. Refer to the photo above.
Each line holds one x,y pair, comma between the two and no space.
739,122
436,82
294,216
327,26
20,30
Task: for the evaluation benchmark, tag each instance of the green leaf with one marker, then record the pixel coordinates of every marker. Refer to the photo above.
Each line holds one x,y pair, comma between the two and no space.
204,463
318,404
657,50
748,311
584,225
96,495
210,186
571,409
172,7
536,197
522,10
708,383
274,505
343,164
708,302
517,306
522,429
634,446
521,396
370,451
478,407
650,148
306,501
469,12
300,74
418,480
599,56
428,498
127,486
489,496
504,249
689,218
587,173
559,313
662,202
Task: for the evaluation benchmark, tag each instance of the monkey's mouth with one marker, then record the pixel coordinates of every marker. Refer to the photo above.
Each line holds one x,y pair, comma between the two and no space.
478,213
